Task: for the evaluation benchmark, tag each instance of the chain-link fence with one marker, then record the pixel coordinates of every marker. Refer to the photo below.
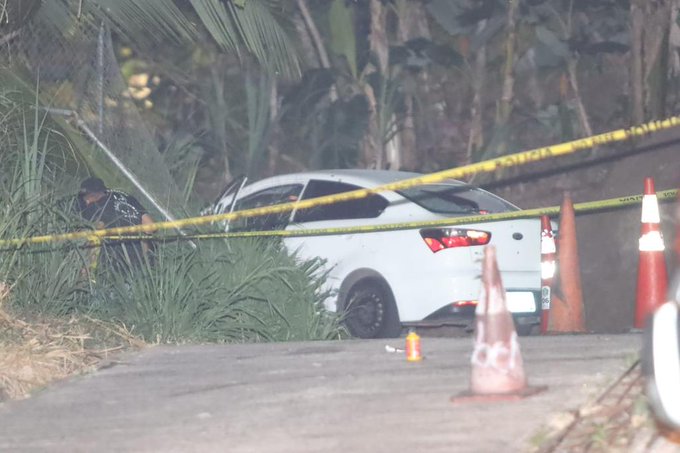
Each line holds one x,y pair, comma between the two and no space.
79,80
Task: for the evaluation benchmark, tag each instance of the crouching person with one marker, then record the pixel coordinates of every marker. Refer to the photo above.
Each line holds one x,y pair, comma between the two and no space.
107,208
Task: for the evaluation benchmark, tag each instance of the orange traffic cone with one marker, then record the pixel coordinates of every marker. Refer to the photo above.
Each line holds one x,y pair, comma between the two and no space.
652,276
497,366
566,308
548,252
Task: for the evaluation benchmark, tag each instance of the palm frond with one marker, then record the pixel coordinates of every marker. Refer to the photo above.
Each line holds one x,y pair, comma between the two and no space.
256,27
148,23
218,22
157,20
343,34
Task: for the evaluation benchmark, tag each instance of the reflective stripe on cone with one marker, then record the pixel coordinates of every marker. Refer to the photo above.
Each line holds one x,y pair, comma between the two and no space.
652,280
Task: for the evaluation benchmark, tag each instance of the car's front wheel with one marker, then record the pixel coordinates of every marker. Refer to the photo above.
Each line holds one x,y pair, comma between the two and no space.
370,310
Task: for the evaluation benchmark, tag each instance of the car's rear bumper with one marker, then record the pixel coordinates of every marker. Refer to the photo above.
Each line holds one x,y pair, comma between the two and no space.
464,315
425,290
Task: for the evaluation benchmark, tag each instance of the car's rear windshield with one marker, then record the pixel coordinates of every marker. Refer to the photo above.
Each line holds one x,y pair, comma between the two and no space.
456,199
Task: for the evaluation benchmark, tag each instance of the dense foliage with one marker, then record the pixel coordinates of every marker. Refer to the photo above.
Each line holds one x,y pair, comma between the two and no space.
246,290
264,87
189,93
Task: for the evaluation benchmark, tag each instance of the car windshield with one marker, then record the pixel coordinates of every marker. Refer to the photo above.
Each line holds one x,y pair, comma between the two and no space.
456,199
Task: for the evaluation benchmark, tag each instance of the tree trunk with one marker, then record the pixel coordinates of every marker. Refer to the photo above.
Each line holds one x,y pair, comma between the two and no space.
573,81
373,152
413,24
273,146
314,34
476,138
649,58
637,63
572,76
218,118
373,146
307,49
507,95
317,41
407,137
378,36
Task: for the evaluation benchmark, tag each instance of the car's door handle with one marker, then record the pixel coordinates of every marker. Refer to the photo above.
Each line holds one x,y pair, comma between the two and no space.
517,236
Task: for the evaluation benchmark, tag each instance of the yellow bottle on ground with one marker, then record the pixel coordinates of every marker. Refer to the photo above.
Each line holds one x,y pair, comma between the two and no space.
413,353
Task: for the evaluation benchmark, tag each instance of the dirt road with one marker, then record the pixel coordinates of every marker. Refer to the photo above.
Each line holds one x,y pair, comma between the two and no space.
309,397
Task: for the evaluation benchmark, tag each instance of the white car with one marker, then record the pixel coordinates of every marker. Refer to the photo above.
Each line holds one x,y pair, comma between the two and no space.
418,276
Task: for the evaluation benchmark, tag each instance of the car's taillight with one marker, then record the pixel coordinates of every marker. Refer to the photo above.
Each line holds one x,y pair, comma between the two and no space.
465,303
446,238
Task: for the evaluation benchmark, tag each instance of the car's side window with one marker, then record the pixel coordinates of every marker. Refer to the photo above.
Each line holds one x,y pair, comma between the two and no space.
363,208
224,201
266,197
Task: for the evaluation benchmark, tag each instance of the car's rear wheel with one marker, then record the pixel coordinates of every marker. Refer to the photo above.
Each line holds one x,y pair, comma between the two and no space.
370,310
524,330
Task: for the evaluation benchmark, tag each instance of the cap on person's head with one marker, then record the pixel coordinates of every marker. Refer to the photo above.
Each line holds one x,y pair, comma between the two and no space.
92,185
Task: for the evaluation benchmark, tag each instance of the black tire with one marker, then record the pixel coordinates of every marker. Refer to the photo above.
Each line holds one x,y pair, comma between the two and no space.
370,311
524,330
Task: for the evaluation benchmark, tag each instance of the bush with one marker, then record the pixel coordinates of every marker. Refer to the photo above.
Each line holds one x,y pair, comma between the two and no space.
246,290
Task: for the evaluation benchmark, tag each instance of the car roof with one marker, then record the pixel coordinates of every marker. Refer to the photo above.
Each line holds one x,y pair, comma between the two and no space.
361,177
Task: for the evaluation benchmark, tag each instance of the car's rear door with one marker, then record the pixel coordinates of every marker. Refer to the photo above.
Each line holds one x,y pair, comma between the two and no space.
517,242
335,248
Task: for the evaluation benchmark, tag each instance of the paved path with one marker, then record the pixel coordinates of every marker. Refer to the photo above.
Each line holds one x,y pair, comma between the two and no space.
349,396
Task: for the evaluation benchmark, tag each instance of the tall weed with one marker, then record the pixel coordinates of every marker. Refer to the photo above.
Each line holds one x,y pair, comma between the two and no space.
41,281
49,282
251,291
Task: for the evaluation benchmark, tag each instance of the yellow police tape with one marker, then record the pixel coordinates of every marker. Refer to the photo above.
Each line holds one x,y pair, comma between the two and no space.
579,208
488,166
